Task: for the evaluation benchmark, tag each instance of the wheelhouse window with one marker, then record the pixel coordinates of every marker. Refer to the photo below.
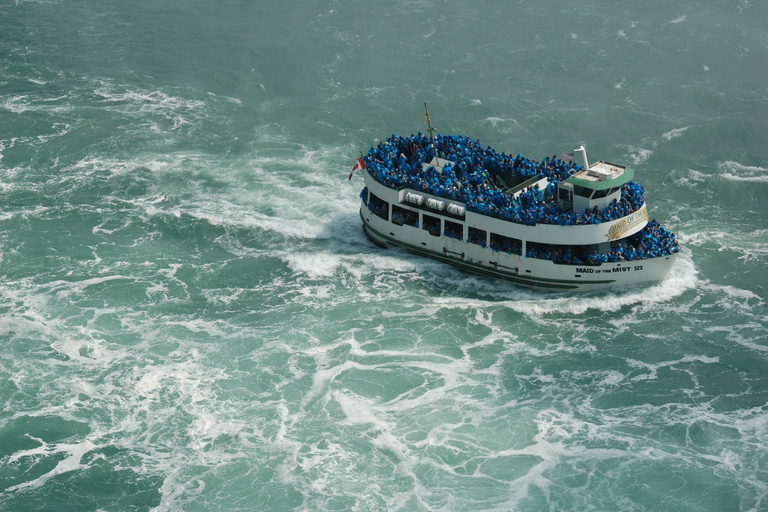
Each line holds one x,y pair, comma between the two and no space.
477,236
432,224
454,230
506,244
379,207
403,216
582,191
603,193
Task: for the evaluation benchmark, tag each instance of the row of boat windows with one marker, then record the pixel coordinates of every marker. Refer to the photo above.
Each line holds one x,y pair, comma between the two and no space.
653,241
406,217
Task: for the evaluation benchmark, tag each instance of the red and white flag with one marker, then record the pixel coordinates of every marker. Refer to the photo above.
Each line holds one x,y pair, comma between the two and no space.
359,165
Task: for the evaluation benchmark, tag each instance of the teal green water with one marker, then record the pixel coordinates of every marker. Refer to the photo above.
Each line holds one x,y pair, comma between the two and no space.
192,318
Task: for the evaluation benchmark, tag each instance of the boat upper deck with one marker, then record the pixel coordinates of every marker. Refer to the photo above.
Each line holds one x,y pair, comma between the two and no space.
516,189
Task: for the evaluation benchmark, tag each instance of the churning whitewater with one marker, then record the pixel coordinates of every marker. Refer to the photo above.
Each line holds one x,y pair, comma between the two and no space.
194,319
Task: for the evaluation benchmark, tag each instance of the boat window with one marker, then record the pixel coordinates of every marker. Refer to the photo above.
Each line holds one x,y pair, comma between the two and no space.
405,216
506,244
477,236
565,198
379,207
569,254
432,224
454,230
606,192
582,191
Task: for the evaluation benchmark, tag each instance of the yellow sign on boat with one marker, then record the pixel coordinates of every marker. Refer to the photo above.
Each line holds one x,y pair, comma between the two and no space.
627,223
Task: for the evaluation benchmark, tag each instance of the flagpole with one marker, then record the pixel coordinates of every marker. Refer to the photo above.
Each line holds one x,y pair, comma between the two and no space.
358,166
431,133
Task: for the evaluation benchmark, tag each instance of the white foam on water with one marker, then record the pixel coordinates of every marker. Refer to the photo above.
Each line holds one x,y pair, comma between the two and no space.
314,265
674,134
358,411
739,173
23,103
682,277
751,336
653,368
94,165
326,264
28,304
748,246
561,440
690,177
679,19
376,419
165,413
636,155
502,125
728,172
143,102
277,205
752,179
71,462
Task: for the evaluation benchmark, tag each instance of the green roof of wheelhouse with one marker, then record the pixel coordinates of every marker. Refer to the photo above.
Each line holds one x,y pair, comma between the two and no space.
602,175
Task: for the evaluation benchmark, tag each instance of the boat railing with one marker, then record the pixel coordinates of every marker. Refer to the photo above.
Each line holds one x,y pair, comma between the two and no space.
527,183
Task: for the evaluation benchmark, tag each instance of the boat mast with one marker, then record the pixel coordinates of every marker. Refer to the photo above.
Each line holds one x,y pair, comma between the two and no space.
431,132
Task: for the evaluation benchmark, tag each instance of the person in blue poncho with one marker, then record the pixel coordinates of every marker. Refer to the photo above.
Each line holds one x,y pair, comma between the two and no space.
549,192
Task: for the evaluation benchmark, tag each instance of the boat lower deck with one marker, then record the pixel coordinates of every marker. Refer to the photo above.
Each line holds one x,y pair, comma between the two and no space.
516,268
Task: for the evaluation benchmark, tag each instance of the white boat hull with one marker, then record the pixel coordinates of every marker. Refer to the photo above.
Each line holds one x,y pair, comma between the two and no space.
518,269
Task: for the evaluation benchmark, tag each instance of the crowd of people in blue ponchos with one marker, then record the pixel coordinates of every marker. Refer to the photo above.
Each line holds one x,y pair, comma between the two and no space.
653,241
398,162
473,180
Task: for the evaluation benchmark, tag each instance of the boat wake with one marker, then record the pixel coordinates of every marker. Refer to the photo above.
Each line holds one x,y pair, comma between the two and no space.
682,278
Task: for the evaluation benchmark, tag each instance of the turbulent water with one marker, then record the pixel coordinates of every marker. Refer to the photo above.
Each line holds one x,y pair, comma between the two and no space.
193,319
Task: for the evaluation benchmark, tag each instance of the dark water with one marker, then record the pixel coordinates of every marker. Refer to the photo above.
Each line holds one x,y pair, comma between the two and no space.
193,319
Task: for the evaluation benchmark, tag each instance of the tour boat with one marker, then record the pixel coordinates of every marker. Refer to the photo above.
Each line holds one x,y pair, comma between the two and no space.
552,224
